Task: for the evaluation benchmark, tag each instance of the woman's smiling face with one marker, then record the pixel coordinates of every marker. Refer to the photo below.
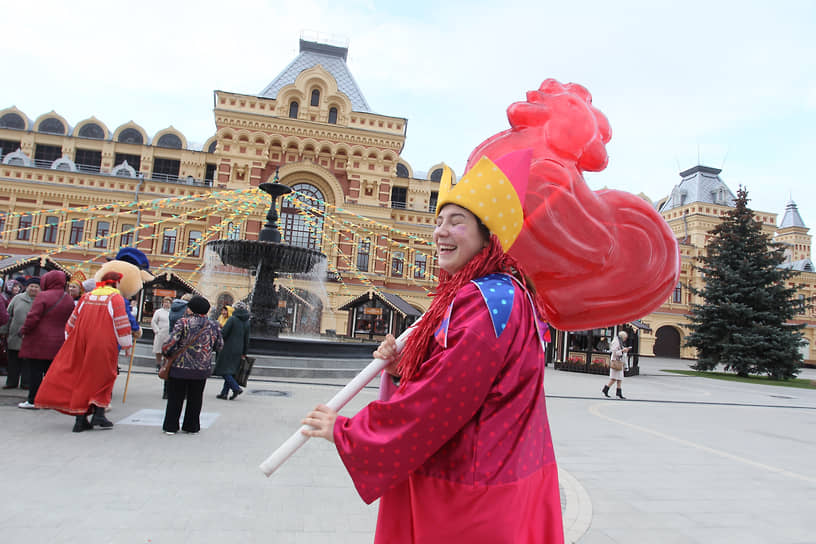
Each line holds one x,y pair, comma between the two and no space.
458,238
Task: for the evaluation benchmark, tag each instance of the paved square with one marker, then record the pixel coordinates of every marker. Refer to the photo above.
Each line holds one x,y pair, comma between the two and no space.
685,460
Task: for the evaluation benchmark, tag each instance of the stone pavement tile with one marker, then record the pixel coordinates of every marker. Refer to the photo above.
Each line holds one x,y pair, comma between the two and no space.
599,536
645,536
635,521
729,535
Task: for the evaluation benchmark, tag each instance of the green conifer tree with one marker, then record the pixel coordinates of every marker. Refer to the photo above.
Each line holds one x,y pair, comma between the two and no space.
748,302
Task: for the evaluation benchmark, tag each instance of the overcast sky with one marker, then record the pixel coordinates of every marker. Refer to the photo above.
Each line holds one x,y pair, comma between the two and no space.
726,84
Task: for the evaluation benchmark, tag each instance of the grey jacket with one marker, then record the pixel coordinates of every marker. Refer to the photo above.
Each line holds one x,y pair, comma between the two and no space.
18,309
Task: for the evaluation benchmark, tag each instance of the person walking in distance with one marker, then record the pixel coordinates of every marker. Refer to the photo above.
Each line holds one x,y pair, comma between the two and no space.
619,352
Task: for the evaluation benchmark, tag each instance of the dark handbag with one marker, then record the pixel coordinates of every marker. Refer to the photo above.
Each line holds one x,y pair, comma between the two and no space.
164,371
244,370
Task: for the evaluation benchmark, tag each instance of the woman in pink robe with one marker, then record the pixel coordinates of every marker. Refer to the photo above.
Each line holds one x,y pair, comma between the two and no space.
461,450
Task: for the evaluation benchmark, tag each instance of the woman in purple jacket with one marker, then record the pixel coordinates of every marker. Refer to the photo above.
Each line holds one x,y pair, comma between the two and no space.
43,331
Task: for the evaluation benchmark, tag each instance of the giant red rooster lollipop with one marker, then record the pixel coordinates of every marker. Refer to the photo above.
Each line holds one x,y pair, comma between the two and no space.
596,257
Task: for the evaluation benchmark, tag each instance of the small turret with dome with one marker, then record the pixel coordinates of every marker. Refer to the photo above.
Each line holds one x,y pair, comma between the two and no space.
793,233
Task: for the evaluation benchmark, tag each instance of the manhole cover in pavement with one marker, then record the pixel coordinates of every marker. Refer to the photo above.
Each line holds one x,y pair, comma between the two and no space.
270,392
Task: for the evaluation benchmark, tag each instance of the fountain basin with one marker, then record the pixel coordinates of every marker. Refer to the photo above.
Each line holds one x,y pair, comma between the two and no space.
279,257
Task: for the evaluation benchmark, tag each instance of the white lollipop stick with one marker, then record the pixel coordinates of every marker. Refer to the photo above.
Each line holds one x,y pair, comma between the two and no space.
294,442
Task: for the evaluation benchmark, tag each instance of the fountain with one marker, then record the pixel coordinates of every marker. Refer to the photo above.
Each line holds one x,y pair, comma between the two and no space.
267,256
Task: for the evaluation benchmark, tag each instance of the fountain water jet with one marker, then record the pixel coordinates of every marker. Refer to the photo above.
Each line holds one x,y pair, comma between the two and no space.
267,256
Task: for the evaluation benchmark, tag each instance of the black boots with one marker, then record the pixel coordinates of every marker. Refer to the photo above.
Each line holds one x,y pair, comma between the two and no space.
100,419
82,424
619,393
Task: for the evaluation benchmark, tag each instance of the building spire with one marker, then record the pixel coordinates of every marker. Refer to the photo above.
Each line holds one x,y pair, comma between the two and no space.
791,217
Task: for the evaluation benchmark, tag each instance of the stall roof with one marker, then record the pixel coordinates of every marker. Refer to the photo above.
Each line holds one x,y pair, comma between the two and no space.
172,277
395,302
9,264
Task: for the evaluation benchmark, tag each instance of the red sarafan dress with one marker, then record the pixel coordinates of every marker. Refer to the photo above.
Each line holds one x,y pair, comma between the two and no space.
84,370
462,452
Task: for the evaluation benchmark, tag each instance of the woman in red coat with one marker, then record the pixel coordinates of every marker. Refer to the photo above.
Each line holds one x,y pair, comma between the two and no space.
43,331
461,450
82,375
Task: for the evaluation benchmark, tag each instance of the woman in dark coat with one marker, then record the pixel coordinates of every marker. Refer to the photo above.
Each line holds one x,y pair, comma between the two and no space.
43,330
236,343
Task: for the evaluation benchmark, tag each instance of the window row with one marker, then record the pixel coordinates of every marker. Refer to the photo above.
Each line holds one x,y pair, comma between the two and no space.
90,160
101,238
420,264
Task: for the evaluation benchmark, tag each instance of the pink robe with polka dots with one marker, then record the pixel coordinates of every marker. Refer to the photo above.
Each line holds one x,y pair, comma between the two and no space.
463,452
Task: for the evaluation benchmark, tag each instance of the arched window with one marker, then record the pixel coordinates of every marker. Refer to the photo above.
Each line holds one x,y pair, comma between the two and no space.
131,136
212,147
436,175
92,130
293,110
12,120
17,158
315,97
124,170
333,116
170,141
302,216
52,125
402,170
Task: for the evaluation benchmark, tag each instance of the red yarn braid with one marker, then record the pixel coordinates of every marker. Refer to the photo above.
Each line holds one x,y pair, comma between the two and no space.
490,260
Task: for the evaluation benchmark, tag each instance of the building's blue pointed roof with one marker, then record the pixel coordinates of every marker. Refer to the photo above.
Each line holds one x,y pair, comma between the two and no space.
699,184
791,217
333,59
803,265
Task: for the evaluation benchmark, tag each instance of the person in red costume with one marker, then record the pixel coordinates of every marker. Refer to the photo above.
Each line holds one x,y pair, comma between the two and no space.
81,377
461,451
